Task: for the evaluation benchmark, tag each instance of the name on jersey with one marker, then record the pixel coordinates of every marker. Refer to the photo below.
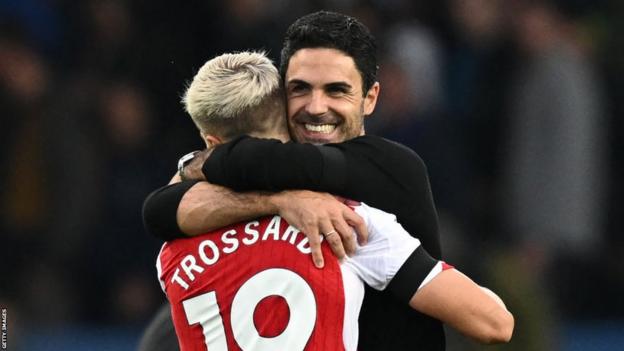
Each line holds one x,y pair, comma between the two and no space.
208,252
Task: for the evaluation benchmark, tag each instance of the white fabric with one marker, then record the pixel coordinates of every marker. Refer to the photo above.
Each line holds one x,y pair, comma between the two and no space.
375,264
437,269
159,269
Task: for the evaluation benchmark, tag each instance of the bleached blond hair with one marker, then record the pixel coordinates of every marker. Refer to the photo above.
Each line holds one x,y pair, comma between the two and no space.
234,94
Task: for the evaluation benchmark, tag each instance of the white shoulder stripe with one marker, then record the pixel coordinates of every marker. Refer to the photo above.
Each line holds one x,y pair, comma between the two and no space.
437,269
159,269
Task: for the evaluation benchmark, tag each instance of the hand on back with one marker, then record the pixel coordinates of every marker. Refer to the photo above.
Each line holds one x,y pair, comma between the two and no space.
322,214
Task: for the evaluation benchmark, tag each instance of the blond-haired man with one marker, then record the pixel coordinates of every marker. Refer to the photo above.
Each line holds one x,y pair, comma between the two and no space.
237,94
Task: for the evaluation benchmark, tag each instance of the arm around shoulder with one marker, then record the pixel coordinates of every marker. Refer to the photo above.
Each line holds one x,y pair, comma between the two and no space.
190,208
160,209
206,207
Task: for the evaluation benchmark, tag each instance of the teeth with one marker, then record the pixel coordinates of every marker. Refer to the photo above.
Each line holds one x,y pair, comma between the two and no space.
322,128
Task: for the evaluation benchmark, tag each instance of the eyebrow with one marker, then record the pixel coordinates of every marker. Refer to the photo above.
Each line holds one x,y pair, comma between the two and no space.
299,82
341,85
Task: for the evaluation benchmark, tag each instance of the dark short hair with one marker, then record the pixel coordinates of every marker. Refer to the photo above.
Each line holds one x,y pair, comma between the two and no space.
333,30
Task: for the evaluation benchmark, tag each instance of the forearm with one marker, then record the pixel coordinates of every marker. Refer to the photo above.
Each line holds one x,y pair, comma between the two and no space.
207,207
159,210
459,302
192,207
261,164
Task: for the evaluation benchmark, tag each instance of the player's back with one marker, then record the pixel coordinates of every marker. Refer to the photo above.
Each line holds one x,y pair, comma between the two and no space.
253,286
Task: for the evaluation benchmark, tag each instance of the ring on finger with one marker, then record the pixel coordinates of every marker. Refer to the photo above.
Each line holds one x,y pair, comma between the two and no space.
330,233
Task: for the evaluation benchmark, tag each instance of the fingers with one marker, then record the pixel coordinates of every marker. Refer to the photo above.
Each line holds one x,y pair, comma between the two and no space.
316,214
346,236
355,221
332,237
314,239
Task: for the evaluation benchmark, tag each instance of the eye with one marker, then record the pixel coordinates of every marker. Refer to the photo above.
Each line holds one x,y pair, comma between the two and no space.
337,90
298,89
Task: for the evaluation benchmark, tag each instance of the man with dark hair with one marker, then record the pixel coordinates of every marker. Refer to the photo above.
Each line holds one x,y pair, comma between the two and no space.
332,30
328,69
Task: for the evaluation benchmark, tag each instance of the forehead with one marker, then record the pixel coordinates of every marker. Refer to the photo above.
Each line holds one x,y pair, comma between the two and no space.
319,66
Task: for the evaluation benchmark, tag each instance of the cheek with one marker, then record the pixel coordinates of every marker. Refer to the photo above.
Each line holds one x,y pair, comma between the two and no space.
343,107
351,112
294,105
356,118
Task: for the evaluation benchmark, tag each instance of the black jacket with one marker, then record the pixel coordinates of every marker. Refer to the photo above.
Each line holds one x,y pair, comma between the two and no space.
376,171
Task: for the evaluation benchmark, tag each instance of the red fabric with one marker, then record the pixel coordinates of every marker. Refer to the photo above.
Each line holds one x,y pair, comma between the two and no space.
271,316
348,202
446,266
232,270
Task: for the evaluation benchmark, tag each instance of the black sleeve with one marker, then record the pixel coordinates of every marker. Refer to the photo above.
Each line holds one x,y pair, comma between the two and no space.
160,210
247,163
414,271
381,173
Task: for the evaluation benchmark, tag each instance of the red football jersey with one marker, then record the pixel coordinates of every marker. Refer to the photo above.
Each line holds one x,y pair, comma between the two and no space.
247,287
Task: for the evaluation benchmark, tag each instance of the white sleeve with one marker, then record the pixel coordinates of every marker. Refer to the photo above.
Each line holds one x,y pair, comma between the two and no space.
159,272
388,247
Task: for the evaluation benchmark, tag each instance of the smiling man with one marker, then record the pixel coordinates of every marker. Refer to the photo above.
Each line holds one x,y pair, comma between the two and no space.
326,101
329,71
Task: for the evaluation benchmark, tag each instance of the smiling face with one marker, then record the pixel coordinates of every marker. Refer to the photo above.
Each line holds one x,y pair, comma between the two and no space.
324,97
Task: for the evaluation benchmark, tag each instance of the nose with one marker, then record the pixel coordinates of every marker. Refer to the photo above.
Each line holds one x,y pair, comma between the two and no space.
317,105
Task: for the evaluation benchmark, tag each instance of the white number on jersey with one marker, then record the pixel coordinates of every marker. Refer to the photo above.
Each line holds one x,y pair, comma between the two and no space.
204,309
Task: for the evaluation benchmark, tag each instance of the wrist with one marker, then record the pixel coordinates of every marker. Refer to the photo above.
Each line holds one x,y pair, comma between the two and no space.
275,202
191,169
183,163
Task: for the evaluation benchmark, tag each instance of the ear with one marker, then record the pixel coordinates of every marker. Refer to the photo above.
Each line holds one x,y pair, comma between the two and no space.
370,100
211,140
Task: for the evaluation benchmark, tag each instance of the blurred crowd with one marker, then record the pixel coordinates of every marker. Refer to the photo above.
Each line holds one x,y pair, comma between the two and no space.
512,104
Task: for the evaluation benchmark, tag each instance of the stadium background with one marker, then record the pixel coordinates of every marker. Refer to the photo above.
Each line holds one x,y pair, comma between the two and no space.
89,97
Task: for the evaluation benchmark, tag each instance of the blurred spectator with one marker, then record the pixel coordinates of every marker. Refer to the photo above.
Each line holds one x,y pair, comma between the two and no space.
40,20
478,67
44,209
411,73
411,111
110,42
119,266
554,169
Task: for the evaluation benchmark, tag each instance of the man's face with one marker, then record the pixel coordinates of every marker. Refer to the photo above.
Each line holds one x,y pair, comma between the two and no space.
324,97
